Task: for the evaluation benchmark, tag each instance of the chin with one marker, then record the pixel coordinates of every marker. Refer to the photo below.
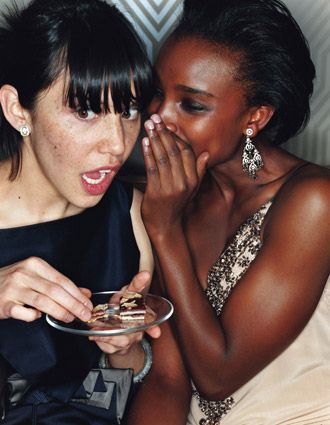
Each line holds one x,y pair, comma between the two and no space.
80,204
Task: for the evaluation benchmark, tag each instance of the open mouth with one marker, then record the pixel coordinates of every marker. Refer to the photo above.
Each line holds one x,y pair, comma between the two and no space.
95,177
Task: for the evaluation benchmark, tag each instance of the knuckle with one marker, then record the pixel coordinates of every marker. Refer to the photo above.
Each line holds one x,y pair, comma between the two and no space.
148,154
174,152
32,262
154,136
162,160
37,300
161,128
16,276
152,170
8,310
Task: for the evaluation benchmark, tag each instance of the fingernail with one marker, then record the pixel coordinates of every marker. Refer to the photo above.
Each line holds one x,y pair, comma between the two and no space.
85,315
156,118
150,125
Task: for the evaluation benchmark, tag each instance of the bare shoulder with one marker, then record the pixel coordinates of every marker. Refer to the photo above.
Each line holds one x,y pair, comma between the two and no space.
306,193
298,222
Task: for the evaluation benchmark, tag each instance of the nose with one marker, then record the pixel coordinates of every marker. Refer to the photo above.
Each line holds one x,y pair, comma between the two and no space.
165,109
113,140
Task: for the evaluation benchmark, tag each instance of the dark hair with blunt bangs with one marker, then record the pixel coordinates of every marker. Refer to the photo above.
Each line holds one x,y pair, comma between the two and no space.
274,64
89,41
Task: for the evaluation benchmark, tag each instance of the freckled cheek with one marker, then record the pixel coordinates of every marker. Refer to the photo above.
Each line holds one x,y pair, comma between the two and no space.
132,133
61,146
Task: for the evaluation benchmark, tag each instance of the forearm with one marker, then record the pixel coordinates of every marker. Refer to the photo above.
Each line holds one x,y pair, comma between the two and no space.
159,402
164,396
193,312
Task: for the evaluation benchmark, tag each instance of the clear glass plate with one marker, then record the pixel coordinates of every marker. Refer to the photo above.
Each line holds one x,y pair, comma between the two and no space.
159,309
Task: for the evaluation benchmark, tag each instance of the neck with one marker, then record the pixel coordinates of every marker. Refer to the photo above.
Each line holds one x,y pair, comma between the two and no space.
30,199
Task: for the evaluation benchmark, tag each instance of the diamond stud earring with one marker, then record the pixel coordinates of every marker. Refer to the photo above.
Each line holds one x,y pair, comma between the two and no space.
24,130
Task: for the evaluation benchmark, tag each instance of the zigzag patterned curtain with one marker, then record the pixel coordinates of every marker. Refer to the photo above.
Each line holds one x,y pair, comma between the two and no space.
154,19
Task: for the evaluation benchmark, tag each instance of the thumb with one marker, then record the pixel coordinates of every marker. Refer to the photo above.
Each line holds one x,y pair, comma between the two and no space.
139,281
154,331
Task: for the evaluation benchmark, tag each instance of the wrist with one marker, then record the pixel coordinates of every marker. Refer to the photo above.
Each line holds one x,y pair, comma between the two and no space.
142,373
104,361
166,235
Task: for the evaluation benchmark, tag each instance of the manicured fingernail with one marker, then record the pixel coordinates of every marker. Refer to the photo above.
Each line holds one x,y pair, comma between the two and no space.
150,125
156,118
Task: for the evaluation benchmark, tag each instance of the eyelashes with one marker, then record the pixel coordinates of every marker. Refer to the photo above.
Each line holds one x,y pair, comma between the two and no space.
193,106
188,104
88,114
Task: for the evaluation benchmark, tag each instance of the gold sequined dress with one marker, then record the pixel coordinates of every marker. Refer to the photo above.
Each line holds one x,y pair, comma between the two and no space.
294,389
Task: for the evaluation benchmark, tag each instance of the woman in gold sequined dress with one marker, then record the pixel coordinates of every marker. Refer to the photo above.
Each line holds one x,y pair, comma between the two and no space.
240,227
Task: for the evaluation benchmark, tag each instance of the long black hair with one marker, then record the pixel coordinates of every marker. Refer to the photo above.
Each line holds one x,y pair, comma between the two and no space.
275,66
88,40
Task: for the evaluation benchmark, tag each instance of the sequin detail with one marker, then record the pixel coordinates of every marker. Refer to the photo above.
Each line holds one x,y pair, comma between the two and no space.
222,278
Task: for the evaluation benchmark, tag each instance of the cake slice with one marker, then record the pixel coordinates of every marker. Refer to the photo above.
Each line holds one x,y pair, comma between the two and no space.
132,307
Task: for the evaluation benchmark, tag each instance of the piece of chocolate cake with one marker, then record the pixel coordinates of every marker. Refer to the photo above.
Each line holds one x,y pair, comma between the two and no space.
132,307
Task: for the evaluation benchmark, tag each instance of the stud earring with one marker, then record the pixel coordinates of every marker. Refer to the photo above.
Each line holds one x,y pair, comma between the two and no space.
251,159
24,130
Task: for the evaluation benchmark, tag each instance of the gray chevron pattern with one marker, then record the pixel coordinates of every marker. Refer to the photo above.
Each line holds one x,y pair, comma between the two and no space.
314,19
154,19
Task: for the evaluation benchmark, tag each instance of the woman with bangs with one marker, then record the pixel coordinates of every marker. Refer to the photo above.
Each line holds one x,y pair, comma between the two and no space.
73,80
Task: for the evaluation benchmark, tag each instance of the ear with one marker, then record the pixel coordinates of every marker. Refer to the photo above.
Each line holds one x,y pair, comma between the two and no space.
260,117
13,111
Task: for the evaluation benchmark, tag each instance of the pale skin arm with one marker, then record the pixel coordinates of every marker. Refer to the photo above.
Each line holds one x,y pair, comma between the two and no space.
123,350
141,236
273,301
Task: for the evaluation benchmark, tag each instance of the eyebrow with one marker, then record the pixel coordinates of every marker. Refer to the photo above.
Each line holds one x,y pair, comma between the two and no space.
192,90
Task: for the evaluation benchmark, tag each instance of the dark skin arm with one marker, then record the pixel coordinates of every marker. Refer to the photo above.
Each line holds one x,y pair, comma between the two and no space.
272,302
164,396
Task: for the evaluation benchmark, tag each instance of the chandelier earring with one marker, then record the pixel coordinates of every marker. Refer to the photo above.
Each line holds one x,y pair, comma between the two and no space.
251,159
24,130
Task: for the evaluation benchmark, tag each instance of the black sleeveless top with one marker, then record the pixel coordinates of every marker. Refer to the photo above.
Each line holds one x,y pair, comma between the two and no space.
95,249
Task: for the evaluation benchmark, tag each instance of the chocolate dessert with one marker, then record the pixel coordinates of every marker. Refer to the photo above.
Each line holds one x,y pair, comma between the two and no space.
132,307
